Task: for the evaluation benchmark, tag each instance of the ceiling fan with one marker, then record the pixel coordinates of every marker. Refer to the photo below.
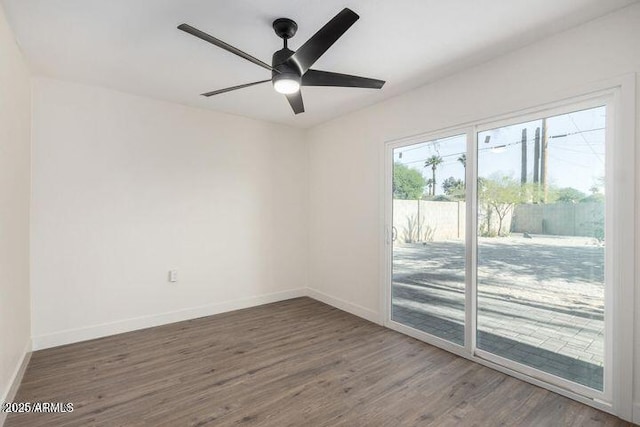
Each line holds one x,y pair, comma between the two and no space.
289,69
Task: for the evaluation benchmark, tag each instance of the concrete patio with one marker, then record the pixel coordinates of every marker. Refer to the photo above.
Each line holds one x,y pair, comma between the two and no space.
540,300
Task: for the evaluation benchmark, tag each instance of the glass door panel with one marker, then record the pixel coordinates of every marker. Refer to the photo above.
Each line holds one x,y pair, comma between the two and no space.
541,252
429,217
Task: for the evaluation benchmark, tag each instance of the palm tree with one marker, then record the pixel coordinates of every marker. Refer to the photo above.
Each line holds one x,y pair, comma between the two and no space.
431,185
463,159
433,161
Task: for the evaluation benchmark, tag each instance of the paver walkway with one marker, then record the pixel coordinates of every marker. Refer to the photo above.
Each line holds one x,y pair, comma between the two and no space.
540,300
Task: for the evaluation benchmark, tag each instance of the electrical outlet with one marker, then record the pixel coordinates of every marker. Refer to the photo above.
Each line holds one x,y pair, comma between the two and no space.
173,275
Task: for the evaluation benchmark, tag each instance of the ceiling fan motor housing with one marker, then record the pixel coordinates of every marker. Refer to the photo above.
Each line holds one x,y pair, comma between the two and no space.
285,70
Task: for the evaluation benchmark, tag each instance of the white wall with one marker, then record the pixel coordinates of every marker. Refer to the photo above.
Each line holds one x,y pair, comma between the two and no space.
15,114
345,168
126,188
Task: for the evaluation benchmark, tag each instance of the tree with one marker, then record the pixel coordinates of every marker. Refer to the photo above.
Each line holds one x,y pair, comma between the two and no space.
430,184
566,195
453,187
500,195
463,160
408,184
596,196
593,198
433,161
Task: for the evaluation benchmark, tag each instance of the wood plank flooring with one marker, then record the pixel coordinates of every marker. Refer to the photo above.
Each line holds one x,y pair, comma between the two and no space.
293,363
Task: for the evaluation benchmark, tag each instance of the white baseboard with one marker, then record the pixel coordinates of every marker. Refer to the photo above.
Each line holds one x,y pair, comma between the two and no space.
349,307
16,379
71,336
97,331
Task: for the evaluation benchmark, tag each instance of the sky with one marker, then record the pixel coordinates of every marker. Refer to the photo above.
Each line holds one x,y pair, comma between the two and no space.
576,151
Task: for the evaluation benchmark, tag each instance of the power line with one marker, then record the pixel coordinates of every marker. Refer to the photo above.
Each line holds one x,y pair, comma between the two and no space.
435,141
581,132
563,135
585,140
575,133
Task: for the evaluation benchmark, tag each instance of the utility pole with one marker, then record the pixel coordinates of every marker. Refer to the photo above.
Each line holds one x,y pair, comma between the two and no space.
523,174
544,162
536,166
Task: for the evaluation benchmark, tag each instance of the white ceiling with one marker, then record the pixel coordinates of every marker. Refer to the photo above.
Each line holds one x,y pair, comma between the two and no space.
134,46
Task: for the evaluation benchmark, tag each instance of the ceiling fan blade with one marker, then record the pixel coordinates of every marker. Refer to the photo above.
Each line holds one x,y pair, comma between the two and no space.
318,44
208,38
295,100
229,89
327,78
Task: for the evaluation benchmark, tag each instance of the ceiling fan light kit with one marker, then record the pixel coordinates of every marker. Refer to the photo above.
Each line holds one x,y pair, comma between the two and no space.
292,69
286,84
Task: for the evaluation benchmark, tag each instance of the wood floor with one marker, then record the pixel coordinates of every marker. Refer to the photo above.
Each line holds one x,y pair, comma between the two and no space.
292,363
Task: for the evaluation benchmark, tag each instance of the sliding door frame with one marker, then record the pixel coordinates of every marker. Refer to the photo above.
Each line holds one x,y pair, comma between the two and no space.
619,97
388,272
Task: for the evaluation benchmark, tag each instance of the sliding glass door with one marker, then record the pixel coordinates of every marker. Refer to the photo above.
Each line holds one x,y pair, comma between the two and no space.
499,240
541,252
